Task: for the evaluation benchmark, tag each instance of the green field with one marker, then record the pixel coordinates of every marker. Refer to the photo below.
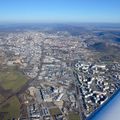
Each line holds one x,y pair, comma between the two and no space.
1,98
73,116
10,109
12,79
54,111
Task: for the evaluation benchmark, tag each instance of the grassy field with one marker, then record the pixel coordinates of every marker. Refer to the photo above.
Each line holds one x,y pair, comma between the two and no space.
1,98
54,111
73,116
12,79
10,109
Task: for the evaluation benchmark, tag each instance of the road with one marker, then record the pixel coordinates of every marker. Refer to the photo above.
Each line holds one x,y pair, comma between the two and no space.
79,96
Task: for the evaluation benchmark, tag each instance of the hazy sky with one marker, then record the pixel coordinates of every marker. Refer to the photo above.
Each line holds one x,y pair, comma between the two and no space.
60,11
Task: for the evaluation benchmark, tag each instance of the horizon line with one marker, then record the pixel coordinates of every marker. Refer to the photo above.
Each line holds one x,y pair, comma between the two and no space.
12,22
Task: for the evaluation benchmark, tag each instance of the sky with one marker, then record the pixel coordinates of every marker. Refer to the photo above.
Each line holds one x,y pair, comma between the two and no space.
60,11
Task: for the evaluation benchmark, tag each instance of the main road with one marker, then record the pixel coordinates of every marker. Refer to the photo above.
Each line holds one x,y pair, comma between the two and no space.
79,96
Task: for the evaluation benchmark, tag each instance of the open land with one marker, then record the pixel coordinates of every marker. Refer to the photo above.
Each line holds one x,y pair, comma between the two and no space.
58,73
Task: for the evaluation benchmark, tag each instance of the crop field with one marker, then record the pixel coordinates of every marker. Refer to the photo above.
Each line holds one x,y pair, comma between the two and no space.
10,79
10,109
